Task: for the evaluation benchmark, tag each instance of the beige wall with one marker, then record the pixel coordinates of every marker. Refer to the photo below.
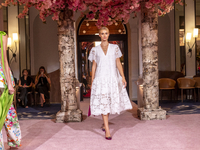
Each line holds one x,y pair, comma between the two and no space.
13,28
164,42
44,43
189,26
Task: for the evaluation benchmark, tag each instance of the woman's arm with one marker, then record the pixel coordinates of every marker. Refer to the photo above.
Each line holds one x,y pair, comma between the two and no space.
36,80
31,84
20,85
48,79
120,68
94,66
7,69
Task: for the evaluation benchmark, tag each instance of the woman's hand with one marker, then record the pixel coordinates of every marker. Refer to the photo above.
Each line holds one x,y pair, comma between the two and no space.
11,89
25,86
124,82
44,75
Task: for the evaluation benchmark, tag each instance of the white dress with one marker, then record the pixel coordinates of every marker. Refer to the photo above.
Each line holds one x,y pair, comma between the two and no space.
107,93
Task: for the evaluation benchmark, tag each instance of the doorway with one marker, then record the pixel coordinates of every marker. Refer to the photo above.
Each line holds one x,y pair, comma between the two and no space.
87,37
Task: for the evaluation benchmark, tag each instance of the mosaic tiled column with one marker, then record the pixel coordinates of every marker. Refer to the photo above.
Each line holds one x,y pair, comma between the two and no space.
149,26
69,111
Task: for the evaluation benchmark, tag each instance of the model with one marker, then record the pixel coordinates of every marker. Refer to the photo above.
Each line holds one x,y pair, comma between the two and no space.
108,91
8,115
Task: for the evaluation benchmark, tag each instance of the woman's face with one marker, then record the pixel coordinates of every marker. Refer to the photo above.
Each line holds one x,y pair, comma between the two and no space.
41,71
25,73
104,35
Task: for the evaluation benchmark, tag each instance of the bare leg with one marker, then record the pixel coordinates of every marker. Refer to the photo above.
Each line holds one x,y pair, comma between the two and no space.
43,97
105,120
41,100
103,126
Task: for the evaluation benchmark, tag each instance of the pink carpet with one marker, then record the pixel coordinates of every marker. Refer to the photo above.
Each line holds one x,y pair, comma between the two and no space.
178,132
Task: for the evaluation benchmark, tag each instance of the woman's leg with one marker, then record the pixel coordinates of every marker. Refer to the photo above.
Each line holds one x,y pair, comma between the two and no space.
42,99
103,126
1,141
23,92
26,100
105,120
12,128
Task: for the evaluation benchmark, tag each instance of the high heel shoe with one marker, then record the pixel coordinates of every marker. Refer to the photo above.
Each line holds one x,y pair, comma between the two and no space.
103,129
108,138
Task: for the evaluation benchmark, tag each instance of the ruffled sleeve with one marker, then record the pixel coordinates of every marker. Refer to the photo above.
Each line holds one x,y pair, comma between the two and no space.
118,52
92,55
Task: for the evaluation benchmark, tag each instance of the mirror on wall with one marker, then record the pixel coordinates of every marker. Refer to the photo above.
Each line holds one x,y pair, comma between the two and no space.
180,38
24,42
197,20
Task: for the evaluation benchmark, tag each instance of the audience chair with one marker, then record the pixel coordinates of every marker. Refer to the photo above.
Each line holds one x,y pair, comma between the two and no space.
197,85
167,84
186,84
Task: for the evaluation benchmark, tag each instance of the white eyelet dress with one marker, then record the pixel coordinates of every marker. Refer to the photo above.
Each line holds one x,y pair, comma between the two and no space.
107,93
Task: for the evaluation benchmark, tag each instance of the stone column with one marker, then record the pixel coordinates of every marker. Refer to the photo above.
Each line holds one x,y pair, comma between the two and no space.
66,47
149,26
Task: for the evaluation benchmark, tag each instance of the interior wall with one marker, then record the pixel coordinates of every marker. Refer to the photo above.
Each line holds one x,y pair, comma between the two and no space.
44,45
164,43
13,28
189,26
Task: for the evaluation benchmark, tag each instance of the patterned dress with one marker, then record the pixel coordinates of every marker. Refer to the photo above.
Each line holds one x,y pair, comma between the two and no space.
11,122
107,94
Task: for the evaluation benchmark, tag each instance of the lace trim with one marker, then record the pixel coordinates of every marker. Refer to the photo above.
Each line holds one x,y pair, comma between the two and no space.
118,52
108,96
93,55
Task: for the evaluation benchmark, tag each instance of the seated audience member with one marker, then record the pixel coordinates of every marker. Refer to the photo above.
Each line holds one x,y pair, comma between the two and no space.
25,86
42,81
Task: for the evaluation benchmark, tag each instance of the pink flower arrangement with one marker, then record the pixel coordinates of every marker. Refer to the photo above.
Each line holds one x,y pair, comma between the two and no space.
106,11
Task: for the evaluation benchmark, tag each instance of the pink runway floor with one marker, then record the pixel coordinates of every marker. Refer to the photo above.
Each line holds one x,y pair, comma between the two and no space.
178,132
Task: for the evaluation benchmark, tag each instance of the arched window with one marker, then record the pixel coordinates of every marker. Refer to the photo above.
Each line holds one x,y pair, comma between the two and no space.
88,27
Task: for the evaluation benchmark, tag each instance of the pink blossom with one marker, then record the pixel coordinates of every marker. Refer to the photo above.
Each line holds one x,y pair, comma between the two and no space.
117,10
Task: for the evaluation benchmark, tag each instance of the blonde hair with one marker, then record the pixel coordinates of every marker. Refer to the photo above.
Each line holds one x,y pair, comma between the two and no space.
103,28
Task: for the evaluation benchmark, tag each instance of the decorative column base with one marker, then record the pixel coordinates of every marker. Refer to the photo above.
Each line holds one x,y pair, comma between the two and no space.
151,114
69,116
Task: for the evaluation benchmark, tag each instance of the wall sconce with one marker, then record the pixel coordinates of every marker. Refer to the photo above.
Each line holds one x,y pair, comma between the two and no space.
9,43
188,39
15,39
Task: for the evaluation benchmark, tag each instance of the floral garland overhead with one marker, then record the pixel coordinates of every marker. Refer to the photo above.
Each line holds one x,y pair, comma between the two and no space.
106,11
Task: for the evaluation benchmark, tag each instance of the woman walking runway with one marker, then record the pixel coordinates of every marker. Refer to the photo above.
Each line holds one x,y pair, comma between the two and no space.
108,92
8,115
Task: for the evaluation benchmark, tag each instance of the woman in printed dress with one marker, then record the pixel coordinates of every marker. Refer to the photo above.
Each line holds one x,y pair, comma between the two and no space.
108,92
11,121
